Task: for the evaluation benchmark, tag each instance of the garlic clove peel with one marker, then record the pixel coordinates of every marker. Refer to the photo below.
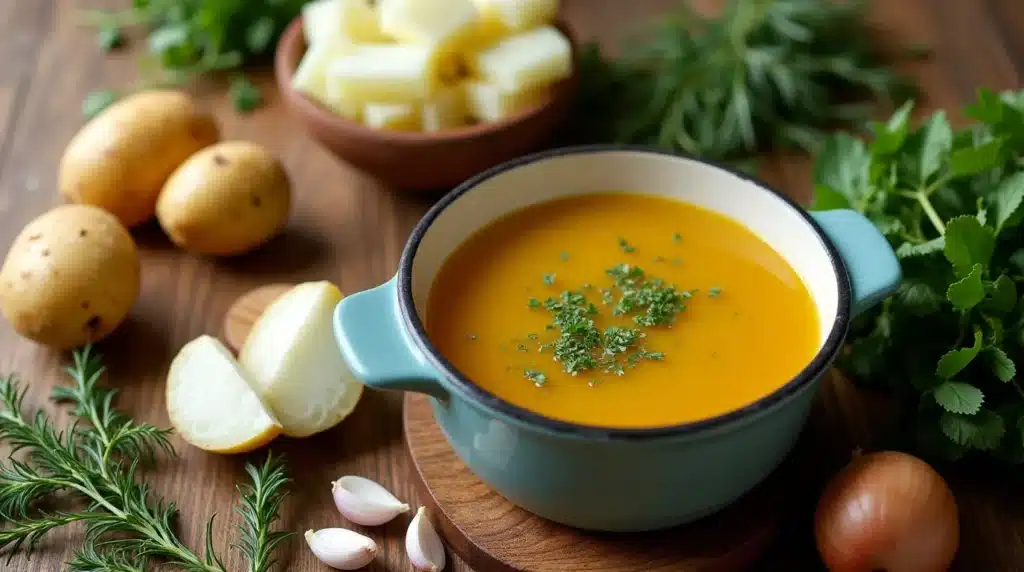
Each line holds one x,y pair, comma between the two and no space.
341,549
423,545
365,502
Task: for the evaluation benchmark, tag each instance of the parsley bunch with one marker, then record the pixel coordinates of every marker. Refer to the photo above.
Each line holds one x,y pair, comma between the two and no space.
950,202
97,461
762,73
188,38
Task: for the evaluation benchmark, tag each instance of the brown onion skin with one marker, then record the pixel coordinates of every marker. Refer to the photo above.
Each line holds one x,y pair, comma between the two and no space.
887,511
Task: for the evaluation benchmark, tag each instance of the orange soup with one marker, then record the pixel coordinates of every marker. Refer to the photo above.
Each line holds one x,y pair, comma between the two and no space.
622,310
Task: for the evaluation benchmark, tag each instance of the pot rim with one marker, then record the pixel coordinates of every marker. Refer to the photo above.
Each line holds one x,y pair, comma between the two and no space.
814,369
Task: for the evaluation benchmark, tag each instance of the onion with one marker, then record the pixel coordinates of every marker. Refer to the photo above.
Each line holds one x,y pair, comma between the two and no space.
887,511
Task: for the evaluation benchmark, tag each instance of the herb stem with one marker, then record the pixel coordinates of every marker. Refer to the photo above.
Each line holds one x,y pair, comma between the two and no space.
929,210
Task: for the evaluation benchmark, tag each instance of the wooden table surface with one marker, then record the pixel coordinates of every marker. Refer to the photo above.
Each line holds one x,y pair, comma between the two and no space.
349,229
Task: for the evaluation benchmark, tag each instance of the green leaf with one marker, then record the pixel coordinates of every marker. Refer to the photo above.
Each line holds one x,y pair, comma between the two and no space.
97,101
1008,198
1004,294
827,198
244,95
919,298
987,108
957,397
974,160
968,243
937,138
909,249
109,35
968,292
260,35
167,37
983,430
889,136
843,166
954,361
1000,363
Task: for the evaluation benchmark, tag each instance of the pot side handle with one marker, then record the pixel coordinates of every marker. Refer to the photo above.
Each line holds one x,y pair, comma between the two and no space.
373,341
871,263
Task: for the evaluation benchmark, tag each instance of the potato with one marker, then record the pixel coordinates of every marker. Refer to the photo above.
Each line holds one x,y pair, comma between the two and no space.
121,158
226,199
70,277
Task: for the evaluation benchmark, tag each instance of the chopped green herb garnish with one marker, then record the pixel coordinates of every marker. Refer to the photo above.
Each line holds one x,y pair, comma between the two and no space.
715,291
534,303
522,347
659,259
625,246
607,297
677,237
564,256
593,383
532,336
651,302
587,286
549,279
677,261
537,377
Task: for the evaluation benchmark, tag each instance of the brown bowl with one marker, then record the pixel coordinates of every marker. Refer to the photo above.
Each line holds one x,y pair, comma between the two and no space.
420,161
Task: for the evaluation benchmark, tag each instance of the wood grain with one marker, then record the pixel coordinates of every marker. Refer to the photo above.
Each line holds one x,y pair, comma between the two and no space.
493,535
348,229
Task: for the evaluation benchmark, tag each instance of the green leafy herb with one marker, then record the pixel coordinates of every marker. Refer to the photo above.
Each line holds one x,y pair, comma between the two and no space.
677,237
109,35
192,38
564,256
533,303
98,461
715,291
549,279
625,246
761,73
536,377
949,200
244,95
651,302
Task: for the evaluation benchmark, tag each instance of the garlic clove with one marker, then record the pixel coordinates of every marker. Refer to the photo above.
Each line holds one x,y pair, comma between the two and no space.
341,549
365,502
423,545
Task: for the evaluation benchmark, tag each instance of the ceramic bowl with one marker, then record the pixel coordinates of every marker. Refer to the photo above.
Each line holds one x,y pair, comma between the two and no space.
420,161
593,477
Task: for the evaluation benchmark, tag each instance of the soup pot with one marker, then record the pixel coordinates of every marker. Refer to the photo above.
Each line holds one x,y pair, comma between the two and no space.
593,477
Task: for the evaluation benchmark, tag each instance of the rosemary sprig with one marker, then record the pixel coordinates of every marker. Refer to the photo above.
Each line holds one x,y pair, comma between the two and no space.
760,74
96,459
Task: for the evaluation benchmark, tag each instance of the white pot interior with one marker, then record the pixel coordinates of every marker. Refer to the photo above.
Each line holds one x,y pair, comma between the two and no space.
761,211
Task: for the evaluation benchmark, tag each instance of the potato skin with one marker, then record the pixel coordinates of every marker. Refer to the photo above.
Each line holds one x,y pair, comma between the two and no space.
120,159
70,277
225,200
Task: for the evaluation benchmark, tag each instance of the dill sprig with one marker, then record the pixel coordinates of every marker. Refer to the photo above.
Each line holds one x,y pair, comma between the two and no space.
96,460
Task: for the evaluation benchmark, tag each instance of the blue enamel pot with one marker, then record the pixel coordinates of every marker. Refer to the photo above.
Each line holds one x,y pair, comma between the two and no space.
593,477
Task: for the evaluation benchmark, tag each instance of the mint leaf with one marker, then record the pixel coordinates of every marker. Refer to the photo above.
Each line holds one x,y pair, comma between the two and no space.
968,243
937,139
844,166
987,108
919,298
1004,294
954,361
889,136
968,292
957,397
909,249
1000,364
1008,198
982,431
974,160
827,198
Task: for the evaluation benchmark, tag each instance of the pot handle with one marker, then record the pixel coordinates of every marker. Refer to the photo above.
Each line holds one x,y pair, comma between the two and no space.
870,261
376,345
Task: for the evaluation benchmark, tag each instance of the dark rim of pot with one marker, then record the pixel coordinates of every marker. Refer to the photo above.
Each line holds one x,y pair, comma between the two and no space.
814,369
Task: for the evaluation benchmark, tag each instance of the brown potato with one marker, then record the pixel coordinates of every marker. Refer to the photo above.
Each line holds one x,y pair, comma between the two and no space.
121,158
226,199
70,277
